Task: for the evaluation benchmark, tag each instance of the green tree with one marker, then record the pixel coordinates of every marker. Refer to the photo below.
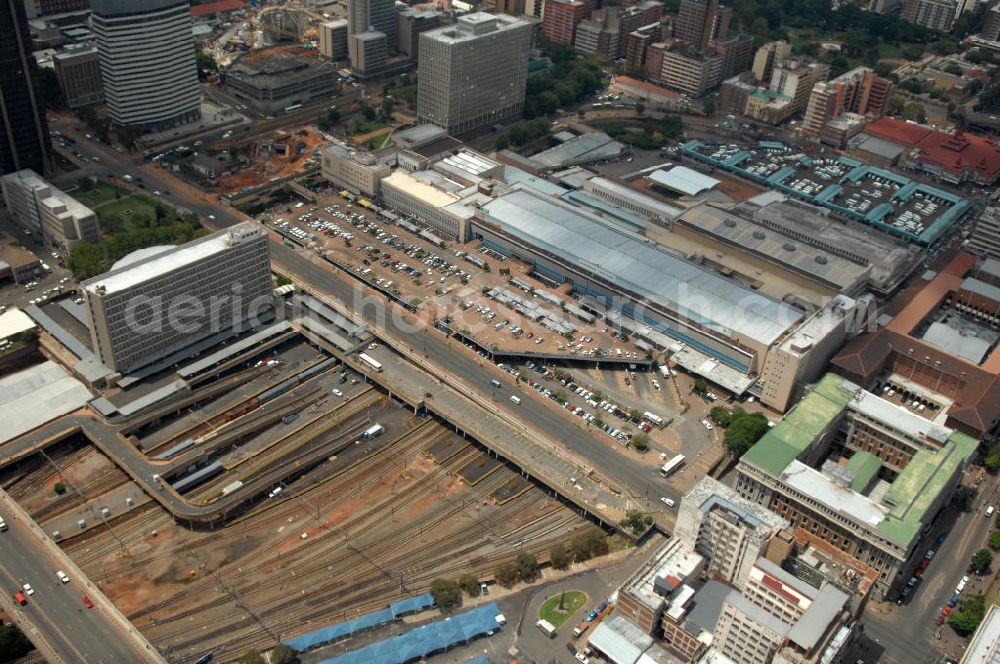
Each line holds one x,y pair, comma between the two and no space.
328,121
914,111
981,560
446,592
635,414
206,65
13,643
700,386
129,136
283,654
588,544
744,430
599,422
721,416
59,488
506,574
970,613
85,184
640,442
502,142
992,463
469,584
640,108
895,105
994,541
250,657
527,566
558,556
387,105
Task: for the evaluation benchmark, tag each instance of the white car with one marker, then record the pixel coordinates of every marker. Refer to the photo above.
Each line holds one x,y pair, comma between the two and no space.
28,590
706,424
62,576
337,392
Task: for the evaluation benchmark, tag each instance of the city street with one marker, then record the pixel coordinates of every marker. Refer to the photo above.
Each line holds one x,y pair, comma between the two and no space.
907,634
56,611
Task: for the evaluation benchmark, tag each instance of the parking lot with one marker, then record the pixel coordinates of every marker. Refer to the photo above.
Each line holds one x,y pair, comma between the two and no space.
477,292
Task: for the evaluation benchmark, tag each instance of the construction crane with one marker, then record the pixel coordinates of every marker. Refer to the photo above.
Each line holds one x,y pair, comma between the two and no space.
257,47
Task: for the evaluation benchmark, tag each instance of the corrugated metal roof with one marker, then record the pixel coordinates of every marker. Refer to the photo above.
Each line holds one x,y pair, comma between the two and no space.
684,180
628,262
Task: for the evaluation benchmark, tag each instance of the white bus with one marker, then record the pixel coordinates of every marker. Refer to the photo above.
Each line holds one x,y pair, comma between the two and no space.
655,420
293,107
672,465
370,361
547,628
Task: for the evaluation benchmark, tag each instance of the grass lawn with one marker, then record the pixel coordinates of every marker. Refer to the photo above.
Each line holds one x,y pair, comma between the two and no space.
573,602
140,206
100,193
886,50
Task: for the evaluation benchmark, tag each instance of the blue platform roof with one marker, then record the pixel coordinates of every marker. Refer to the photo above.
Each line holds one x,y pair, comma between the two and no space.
428,639
340,630
411,605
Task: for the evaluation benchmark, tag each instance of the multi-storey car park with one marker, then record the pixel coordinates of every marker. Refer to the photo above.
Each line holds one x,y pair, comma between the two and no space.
890,202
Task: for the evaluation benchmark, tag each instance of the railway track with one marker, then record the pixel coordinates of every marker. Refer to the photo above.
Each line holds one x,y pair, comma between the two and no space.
356,564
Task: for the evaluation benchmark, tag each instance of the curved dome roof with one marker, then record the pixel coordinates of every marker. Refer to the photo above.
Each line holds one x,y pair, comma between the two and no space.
141,255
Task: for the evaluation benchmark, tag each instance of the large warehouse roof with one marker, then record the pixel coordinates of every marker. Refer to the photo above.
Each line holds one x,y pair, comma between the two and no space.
627,262
683,180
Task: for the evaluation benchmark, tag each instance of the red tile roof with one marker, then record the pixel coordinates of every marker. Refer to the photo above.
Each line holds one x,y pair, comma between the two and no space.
216,7
977,403
898,131
956,153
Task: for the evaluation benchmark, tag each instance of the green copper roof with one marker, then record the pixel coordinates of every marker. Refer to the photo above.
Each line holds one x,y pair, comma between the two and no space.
801,426
865,465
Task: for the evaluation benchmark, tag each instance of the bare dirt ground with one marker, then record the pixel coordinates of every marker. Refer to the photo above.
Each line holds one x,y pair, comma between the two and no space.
321,553
275,166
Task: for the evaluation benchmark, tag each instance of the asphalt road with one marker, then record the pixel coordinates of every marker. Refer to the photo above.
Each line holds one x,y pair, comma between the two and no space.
641,480
907,634
56,612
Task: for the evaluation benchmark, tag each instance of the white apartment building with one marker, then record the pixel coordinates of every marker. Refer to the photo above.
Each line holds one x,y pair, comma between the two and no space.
62,221
779,617
473,74
729,530
351,168
147,61
156,301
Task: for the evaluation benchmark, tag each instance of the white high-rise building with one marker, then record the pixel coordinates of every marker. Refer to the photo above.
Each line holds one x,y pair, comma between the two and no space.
159,300
147,59
473,74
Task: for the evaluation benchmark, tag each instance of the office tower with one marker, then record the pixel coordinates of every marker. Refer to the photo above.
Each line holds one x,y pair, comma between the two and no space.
147,62
218,282
333,39
985,238
368,51
78,69
36,8
24,134
768,57
562,18
700,21
373,16
473,73
410,22
933,14
859,91
736,52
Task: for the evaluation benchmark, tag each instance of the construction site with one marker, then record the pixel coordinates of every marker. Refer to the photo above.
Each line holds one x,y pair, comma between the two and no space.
285,484
279,155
